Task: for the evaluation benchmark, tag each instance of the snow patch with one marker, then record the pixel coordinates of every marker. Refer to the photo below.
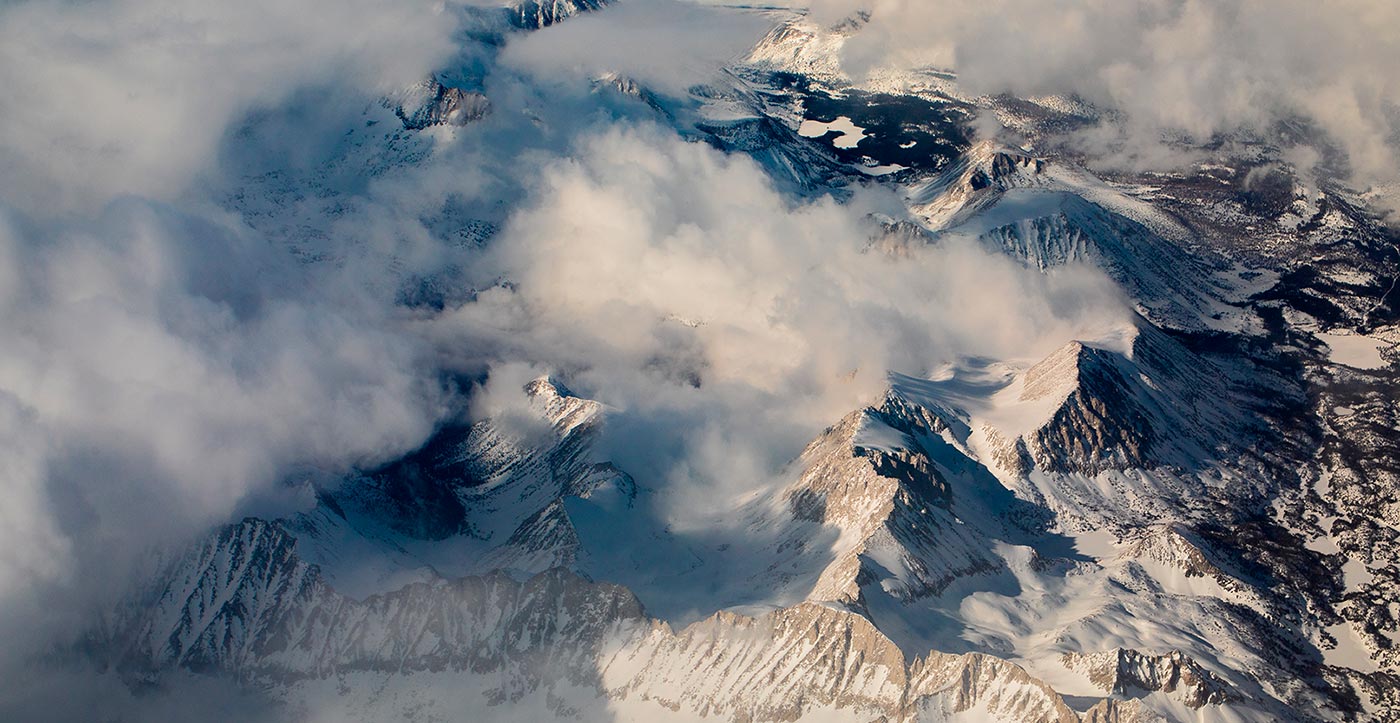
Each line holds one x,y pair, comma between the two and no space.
1355,574
850,133
881,170
1354,350
874,434
1350,651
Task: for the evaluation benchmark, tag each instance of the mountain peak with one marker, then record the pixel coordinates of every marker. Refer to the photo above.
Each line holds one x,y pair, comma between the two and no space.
873,480
537,14
430,103
987,170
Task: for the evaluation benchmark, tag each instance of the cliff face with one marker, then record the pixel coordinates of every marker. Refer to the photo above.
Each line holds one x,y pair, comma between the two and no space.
242,604
430,103
871,478
1125,671
537,14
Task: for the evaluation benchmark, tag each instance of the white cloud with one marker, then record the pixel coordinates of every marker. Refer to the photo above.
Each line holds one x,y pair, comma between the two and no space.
133,96
665,44
1198,66
673,282
162,360
162,367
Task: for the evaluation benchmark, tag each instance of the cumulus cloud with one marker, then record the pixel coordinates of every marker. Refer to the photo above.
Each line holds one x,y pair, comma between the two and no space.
163,360
1199,67
170,353
133,96
727,324
160,368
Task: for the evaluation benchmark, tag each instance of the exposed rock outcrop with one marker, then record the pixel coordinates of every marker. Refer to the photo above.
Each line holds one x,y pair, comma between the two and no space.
1130,672
430,103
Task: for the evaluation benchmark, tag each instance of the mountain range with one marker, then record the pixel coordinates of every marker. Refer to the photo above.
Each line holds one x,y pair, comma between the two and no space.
1186,513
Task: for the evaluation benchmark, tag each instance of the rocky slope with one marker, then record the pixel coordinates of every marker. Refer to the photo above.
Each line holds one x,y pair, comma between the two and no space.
242,604
1189,516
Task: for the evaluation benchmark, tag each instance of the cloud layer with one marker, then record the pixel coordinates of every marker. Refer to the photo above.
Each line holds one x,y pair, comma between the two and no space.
164,360
160,368
182,332
133,96
203,283
1196,66
673,282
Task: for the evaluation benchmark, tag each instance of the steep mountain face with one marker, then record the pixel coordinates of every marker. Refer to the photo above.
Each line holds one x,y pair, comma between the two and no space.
243,604
1123,671
1189,516
1098,425
536,14
870,480
430,103
476,498
1152,405
975,182
1047,216
812,660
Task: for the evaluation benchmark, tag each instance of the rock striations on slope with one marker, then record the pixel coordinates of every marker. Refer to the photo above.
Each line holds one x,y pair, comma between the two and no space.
243,604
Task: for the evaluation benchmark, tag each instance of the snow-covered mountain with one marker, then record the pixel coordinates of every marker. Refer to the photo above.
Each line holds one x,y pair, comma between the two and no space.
1188,515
